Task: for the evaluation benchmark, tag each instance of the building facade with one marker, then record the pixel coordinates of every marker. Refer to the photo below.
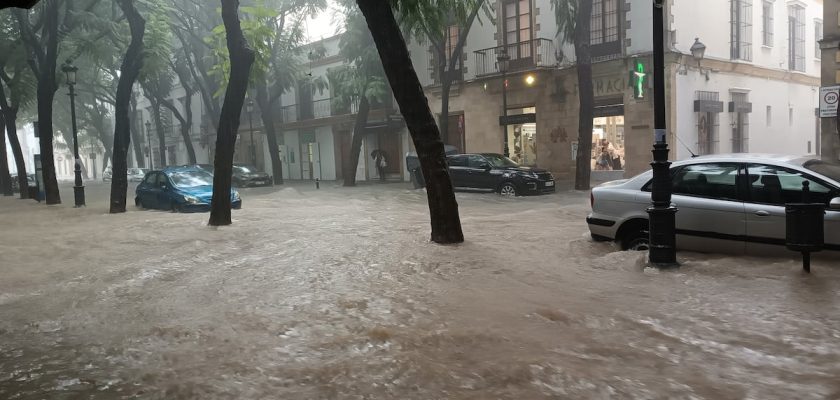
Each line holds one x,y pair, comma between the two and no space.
753,89
830,46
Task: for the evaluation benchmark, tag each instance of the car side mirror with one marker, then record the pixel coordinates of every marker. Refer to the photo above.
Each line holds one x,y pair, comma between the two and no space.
834,204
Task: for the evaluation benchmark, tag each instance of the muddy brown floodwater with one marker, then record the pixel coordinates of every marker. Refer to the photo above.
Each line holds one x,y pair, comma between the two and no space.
337,294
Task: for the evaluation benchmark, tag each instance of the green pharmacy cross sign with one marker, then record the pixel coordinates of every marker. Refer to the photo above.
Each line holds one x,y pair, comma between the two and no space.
638,79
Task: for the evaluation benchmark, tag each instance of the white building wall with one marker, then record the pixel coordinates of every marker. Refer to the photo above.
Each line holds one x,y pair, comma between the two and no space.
640,31
781,135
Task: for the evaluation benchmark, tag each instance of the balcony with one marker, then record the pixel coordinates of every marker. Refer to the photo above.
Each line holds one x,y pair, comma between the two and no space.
524,56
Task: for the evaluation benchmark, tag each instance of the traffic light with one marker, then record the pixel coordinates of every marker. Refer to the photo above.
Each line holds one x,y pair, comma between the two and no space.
638,79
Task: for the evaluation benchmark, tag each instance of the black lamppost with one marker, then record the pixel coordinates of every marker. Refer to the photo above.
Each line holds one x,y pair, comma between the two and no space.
78,189
251,148
503,59
662,214
149,149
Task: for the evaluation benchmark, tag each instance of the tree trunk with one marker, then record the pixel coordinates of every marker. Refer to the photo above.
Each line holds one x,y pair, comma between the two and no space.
5,177
129,71
359,132
161,134
443,209
10,116
270,134
136,137
241,59
185,126
586,95
46,94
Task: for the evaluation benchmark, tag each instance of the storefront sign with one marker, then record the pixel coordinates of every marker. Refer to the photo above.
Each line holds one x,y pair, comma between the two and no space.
829,96
518,119
606,86
712,106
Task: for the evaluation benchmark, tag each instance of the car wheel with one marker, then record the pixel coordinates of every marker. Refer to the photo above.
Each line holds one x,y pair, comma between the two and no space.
507,189
637,241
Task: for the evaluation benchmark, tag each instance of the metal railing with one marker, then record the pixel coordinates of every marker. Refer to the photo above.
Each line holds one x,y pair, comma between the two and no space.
527,55
289,113
321,108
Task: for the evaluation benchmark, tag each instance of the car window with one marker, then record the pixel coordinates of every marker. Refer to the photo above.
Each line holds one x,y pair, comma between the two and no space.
771,184
161,179
458,161
150,179
475,161
714,181
188,179
500,161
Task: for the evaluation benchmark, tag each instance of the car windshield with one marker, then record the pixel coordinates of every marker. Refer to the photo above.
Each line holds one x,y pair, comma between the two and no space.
188,179
500,161
823,168
245,169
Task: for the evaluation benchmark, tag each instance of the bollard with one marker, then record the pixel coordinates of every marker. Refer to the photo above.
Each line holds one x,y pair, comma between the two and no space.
317,183
805,227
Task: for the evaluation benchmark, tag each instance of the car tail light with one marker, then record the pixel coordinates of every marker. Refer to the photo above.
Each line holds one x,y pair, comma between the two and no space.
592,199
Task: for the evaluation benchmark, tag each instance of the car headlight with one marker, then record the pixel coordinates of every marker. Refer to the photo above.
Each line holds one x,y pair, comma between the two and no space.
191,199
530,175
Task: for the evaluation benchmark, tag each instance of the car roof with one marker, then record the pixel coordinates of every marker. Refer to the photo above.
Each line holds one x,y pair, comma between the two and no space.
780,159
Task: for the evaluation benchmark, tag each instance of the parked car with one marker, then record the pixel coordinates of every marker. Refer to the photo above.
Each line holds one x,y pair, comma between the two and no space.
245,175
727,203
206,167
412,164
497,173
106,175
181,189
137,174
30,178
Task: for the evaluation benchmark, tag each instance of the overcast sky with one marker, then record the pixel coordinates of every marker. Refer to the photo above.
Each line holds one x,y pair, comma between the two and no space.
325,24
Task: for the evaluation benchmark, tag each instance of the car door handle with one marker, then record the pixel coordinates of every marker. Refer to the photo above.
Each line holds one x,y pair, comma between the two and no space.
762,213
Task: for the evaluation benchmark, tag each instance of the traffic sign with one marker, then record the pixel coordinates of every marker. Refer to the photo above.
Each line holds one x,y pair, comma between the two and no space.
829,97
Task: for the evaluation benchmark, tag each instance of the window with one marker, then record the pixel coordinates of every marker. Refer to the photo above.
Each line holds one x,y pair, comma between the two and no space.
777,185
518,32
740,124
604,28
708,123
161,179
453,33
717,181
818,35
796,38
767,23
150,179
457,161
475,161
741,29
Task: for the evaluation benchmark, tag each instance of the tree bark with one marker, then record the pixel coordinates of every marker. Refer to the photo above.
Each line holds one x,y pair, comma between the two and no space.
5,177
10,117
43,65
129,71
136,137
241,59
161,134
270,134
443,209
185,123
359,132
586,95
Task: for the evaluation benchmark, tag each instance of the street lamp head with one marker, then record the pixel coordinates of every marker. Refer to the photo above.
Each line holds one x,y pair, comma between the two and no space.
698,50
530,80
503,59
70,70
250,106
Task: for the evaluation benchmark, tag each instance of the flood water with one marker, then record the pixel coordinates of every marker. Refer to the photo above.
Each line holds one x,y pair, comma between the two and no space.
337,294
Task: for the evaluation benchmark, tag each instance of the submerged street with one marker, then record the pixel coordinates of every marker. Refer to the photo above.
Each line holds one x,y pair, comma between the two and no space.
338,294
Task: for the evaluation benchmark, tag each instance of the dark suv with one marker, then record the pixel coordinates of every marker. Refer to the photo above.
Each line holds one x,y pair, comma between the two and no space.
497,173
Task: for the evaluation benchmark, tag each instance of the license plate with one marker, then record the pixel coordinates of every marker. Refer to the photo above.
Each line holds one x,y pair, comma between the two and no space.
549,183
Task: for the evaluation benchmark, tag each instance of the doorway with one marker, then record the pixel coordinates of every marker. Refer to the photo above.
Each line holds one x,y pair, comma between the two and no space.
608,143
522,139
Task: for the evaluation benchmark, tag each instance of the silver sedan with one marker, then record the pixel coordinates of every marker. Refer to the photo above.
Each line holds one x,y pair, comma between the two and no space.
732,203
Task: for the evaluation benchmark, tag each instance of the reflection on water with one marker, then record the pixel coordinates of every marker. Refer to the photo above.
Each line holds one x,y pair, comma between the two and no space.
347,299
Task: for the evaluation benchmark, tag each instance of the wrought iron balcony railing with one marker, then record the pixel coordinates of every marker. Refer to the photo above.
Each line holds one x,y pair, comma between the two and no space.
524,56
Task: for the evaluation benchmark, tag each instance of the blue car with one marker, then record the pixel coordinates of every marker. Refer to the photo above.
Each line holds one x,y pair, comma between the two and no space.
181,189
